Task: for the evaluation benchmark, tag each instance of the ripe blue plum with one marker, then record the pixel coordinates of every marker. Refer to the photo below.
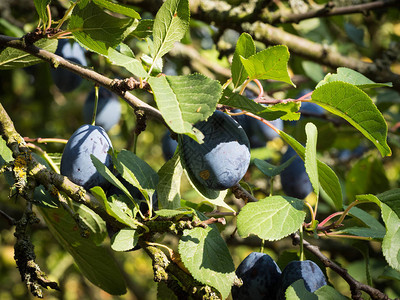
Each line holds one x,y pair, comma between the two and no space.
294,178
75,161
108,109
258,132
168,145
307,270
260,275
65,80
224,157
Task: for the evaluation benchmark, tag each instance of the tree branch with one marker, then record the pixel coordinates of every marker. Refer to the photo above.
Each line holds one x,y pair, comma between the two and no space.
133,101
327,10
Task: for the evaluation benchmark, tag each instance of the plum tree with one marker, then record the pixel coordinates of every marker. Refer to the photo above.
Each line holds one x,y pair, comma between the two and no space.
307,270
224,157
76,163
294,178
260,275
173,63
108,109
65,80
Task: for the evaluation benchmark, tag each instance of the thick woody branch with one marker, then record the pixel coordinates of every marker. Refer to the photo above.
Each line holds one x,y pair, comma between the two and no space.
53,59
328,10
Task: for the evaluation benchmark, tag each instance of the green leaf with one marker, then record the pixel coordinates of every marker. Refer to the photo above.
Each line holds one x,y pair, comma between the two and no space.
270,63
7,28
170,213
95,262
41,9
271,218
390,273
219,201
5,153
328,292
392,199
43,198
186,100
118,8
373,228
11,58
269,169
128,62
367,175
168,188
298,291
125,240
122,209
137,172
311,156
205,254
356,107
93,221
352,77
327,178
245,48
170,25
108,174
391,241
144,29
97,30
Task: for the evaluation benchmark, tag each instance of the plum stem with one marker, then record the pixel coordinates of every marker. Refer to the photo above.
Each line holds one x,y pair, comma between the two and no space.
261,92
227,83
330,217
45,140
301,244
346,211
49,15
311,211
245,84
66,15
96,102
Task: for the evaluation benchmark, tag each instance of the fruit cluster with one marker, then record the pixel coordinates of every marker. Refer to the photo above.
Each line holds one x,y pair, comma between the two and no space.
263,279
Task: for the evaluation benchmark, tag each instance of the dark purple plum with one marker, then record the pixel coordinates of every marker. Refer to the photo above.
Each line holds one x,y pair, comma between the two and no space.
294,178
168,145
108,109
65,80
307,270
76,163
222,160
260,275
